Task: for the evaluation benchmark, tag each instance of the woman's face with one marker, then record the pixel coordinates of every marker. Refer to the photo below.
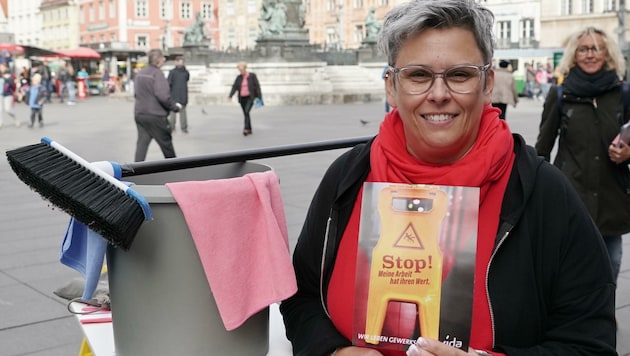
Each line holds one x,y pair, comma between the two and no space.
440,125
587,55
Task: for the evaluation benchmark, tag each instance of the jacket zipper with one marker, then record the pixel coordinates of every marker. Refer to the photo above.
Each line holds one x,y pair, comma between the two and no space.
321,268
503,233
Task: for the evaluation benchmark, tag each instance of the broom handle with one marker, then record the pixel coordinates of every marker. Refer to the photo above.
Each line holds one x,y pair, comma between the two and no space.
172,164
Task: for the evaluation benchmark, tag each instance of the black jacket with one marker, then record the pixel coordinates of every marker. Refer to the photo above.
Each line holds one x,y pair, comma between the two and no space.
252,84
584,131
550,285
152,93
178,82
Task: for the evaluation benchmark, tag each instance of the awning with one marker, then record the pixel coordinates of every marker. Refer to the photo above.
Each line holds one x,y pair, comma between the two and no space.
79,53
11,48
30,51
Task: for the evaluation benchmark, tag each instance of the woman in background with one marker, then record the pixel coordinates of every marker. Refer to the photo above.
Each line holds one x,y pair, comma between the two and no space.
248,88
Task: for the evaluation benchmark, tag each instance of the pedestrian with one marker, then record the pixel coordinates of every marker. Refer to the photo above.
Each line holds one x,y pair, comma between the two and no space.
248,88
178,82
543,79
35,98
542,279
504,91
592,113
69,84
530,80
8,92
47,78
152,106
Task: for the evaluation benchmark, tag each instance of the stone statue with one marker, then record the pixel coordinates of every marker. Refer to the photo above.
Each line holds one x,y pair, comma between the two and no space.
372,27
194,34
273,18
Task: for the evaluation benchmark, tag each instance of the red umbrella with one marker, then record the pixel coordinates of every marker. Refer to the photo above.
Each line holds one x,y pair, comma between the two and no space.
11,48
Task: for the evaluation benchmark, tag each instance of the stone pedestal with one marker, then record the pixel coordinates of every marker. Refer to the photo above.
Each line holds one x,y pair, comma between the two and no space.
194,53
369,52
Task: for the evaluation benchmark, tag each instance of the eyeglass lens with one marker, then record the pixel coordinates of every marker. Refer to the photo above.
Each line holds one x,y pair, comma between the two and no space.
459,79
585,50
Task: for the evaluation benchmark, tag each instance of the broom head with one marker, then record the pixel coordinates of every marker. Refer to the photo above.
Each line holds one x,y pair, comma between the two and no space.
77,190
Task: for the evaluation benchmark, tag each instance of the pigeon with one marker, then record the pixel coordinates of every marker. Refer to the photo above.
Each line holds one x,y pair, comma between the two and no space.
363,122
203,111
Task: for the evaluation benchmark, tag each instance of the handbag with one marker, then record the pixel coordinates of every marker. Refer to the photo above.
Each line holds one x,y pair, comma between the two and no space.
258,102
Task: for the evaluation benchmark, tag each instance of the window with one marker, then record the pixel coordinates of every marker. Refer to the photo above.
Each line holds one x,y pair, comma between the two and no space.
504,34
330,5
101,10
527,32
251,37
142,41
357,4
251,7
587,6
112,9
358,33
609,5
382,2
206,11
185,10
164,10
91,15
566,7
141,8
230,7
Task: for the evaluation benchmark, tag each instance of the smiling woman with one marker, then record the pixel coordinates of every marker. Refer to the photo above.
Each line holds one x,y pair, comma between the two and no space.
444,134
590,116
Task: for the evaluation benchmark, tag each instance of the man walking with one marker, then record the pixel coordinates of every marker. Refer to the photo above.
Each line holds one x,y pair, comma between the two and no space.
178,82
152,106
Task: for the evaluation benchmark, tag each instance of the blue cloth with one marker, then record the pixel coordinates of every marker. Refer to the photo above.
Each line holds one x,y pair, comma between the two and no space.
84,251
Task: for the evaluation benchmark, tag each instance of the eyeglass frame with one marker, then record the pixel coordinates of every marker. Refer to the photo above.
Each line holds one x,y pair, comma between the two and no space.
482,69
583,50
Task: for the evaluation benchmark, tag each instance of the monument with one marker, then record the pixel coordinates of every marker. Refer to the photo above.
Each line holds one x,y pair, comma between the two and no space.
196,43
282,33
369,51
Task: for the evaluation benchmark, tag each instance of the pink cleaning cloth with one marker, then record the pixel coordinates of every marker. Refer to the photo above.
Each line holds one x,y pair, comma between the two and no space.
240,231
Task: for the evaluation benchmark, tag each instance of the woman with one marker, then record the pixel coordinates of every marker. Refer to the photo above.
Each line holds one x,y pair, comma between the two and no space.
248,88
585,121
543,283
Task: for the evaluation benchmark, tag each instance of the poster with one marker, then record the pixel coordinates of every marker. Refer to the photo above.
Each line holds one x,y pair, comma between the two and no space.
420,244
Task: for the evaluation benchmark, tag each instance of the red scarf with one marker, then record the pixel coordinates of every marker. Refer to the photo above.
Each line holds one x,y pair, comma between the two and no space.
487,166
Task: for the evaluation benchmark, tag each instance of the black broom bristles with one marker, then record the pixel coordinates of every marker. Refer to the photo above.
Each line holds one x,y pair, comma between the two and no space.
75,188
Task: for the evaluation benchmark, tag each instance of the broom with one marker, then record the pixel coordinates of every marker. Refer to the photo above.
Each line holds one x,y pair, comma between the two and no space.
89,193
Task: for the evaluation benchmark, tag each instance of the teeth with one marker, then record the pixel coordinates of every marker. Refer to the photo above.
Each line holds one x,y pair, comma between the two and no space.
442,117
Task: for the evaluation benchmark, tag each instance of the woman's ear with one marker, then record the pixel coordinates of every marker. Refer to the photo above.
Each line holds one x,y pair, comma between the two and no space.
390,90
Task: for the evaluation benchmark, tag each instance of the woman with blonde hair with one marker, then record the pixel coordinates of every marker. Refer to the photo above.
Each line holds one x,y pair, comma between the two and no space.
585,120
248,88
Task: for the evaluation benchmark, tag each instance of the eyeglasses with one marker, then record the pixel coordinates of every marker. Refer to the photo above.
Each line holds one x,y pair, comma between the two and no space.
417,79
583,50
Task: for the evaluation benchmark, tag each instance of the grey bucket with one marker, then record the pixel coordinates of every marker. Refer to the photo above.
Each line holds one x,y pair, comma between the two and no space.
161,300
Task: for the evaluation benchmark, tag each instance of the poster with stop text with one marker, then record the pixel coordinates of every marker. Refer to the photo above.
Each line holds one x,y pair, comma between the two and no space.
415,274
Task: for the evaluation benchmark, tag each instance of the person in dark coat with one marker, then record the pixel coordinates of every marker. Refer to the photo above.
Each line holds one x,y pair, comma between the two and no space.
178,81
152,106
585,126
248,88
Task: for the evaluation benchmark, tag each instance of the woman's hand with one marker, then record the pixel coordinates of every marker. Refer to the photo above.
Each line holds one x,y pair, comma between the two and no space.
357,351
619,153
427,347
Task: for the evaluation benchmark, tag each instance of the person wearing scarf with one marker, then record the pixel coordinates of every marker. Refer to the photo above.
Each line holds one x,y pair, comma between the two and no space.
586,121
542,278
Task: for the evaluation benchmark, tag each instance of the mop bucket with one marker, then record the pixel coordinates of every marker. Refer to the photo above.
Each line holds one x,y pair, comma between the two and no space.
160,298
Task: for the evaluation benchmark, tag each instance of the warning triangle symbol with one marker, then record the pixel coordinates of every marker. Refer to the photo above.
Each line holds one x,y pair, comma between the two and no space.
409,239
